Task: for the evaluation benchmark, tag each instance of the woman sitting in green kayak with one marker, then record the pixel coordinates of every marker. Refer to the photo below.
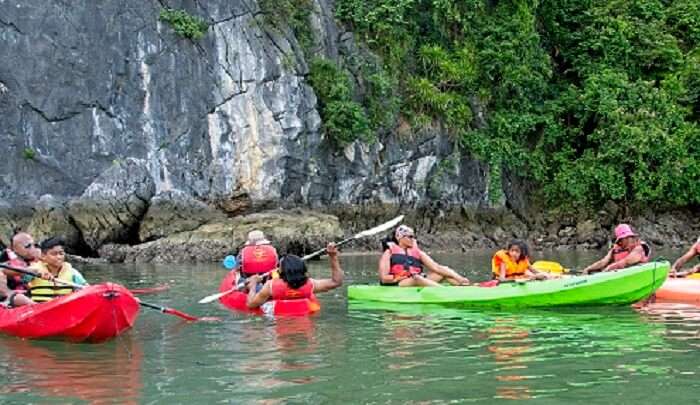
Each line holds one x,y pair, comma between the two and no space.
402,264
628,251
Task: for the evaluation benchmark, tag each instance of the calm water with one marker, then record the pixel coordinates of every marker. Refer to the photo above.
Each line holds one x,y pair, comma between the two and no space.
355,354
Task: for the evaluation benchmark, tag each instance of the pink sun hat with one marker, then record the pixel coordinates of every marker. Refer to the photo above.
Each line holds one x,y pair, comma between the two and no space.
623,231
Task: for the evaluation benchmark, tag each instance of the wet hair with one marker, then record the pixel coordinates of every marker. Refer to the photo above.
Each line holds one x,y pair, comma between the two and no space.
524,250
50,243
293,271
390,238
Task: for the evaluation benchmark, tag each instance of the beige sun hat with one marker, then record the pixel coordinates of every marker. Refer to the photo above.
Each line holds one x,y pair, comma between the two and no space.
256,237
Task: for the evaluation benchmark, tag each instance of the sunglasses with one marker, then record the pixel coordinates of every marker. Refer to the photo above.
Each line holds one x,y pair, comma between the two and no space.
410,236
31,245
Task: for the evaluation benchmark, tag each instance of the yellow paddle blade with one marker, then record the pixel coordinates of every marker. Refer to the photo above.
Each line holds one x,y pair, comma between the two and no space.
549,267
695,276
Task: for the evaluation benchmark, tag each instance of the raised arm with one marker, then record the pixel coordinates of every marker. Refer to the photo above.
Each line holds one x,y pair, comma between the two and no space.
336,280
254,299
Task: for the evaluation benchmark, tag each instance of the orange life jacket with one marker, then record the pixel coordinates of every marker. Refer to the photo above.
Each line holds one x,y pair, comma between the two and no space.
404,262
282,291
619,253
513,269
256,259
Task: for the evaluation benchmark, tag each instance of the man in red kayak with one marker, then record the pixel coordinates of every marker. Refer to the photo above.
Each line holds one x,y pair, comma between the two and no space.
53,268
257,256
23,252
694,251
628,251
294,281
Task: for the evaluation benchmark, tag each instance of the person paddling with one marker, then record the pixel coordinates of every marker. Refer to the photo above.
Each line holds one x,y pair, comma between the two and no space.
53,266
514,262
694,251
402,264
257,256
294,281
627,251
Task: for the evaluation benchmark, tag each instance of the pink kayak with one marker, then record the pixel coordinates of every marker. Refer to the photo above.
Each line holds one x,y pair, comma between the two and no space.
680,289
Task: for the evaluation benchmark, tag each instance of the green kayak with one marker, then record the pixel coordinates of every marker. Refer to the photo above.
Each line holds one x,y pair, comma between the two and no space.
613,287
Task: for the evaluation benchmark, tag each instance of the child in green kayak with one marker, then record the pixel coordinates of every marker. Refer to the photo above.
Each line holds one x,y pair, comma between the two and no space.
403,262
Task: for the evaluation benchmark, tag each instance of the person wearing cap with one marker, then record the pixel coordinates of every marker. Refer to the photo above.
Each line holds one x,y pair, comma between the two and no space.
403,263
257,257
694,251
53,268
627,251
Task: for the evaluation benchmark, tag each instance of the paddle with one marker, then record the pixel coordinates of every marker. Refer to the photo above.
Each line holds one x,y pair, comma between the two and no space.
552,267
369,232
164,310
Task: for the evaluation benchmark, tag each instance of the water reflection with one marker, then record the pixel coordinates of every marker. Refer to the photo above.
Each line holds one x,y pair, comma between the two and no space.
96,374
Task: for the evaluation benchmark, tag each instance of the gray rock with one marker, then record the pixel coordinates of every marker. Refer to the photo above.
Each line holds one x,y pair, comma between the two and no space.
174,211
51,218
12,218
111,208
293,231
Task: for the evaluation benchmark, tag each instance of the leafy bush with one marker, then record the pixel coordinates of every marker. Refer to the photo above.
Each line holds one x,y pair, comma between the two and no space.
28,154
184,24
595,100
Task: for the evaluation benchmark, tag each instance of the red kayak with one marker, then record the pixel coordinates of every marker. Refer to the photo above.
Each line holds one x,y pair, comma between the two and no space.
680,290
94,314
237,301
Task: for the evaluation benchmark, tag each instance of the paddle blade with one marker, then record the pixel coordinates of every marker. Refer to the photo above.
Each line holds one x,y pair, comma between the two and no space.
182,315
214,297
379,228
695,276
549,267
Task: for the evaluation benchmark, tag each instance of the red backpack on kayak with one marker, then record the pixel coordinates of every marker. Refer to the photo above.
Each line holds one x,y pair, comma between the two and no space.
257,259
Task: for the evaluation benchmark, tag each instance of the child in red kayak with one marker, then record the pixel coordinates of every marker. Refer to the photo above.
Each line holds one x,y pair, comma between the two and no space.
52,267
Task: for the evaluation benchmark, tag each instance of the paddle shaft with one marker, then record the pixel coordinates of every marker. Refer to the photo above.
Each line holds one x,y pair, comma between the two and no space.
164,310
322,251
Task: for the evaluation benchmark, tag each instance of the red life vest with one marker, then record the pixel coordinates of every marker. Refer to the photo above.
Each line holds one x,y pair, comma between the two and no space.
619,253
404,262
15,282
282,291
258,259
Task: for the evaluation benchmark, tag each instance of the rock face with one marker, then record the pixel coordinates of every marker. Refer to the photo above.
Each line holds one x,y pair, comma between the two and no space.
111,208
228,115
51,218
174,211
293,231
143,132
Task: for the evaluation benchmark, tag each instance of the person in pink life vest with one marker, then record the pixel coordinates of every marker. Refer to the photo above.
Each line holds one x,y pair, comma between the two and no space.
694,251
257,256
627,251
402,264
294,281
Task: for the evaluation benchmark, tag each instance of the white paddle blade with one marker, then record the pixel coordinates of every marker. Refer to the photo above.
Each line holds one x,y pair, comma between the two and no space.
214,297
380,228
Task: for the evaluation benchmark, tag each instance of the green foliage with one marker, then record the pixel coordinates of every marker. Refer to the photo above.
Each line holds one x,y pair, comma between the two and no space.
344,120
184,24
28,154
595,100
294,14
